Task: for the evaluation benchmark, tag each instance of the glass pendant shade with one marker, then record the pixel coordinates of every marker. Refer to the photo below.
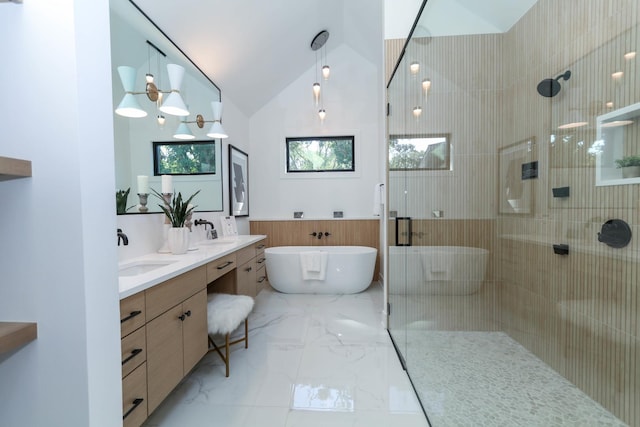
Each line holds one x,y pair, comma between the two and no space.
129,106
426,85
174,104
326,72
183,132
216,130
316,92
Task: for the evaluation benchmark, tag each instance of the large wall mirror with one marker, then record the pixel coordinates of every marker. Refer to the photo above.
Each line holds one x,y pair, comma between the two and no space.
138,43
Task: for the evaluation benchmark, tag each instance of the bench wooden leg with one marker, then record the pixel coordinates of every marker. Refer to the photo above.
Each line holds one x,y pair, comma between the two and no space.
227,344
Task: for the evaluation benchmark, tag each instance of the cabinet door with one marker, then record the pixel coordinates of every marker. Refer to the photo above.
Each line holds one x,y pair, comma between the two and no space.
164,355
246,279
194,329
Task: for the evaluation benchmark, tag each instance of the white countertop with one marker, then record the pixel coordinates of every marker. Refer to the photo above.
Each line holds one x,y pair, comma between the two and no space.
203,253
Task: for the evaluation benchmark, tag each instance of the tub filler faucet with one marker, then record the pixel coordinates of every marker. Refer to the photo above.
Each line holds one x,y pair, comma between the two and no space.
320,234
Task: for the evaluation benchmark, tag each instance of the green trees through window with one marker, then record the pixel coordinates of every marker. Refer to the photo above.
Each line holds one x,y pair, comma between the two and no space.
320,154
427,152
193,158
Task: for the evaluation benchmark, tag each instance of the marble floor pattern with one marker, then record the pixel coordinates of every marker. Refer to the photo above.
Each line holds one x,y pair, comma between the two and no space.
313,360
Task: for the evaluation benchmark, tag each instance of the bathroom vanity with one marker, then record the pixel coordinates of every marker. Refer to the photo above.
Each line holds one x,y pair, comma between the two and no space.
163,312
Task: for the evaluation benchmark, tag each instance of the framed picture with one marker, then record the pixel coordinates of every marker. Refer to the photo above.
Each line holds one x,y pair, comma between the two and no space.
238,182
517,167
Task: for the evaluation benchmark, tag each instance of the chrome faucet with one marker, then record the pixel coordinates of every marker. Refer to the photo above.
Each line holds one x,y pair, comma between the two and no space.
122,237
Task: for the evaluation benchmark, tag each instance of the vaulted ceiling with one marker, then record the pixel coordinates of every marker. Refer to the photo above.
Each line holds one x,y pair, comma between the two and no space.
253,49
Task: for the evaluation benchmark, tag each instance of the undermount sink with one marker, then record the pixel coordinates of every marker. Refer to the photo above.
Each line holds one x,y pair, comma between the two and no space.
141,267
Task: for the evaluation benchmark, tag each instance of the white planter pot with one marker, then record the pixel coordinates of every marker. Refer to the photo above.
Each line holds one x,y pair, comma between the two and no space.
631,172
178,240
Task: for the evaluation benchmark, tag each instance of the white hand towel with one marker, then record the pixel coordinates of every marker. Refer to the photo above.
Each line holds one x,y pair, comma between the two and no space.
313,265
378,199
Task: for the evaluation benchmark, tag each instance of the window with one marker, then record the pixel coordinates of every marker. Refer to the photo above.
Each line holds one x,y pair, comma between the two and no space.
179,158
419,152
321,154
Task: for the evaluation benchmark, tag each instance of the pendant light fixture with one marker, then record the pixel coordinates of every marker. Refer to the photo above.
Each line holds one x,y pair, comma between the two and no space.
317,43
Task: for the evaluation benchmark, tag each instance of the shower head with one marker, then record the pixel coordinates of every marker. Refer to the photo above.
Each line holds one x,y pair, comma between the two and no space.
550,87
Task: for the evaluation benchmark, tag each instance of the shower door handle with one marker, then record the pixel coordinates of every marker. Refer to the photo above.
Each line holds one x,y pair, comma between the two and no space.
404,232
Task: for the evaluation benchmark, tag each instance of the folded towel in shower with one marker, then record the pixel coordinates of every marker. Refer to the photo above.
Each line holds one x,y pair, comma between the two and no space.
313,265
437,266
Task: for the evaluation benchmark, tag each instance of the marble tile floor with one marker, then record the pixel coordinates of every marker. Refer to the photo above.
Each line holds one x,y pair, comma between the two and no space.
313,360
488,379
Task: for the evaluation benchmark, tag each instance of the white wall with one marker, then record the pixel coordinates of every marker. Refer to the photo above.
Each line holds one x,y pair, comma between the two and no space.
353,102
57,252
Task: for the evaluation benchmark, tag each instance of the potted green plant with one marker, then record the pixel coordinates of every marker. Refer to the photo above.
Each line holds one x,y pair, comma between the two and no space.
177,210
630,166
121,201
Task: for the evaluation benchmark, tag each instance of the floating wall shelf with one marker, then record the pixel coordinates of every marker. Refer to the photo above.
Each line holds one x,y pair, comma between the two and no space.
14,335
14,168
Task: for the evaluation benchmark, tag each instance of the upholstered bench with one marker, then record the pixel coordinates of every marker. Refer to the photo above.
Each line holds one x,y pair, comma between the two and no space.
225,313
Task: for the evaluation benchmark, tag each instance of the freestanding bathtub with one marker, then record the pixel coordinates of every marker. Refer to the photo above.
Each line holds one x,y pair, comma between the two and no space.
436,270
349,269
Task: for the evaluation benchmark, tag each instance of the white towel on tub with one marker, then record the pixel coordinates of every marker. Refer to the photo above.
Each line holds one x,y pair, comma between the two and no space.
313,265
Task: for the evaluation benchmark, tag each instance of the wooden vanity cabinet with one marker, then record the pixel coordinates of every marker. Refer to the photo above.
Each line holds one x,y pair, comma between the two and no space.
249,269
134,355
176,332
260,263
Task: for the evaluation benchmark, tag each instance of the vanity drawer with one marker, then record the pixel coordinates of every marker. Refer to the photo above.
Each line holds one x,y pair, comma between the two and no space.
261,277
134,351
220,267
260,247
245,255
134,397
161,298
132,313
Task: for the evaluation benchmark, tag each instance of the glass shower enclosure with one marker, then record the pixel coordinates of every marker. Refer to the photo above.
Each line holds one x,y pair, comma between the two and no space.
513,212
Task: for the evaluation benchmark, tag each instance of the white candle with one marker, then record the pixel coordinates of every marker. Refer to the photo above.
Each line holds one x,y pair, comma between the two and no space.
167,185
143,184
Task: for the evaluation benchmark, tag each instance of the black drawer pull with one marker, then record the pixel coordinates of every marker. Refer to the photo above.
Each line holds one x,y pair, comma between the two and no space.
136,403
262,279
188,313
182,317
134,353
131,316
260,246
225,265
261,260
248,269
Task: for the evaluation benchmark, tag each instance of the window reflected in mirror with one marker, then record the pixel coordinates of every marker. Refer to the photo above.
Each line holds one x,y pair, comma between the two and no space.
179,158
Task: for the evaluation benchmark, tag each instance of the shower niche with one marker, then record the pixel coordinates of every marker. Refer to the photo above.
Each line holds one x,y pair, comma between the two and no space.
617,144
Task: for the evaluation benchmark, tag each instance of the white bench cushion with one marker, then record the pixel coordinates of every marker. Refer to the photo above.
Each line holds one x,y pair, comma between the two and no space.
225,312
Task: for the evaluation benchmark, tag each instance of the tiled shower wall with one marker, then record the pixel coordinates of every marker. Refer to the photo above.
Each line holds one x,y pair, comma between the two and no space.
578,313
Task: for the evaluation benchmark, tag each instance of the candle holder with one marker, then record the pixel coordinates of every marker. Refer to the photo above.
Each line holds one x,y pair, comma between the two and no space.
143,202
167,198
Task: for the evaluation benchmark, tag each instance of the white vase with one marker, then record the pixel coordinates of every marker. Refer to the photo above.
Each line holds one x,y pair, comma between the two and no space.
178,240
